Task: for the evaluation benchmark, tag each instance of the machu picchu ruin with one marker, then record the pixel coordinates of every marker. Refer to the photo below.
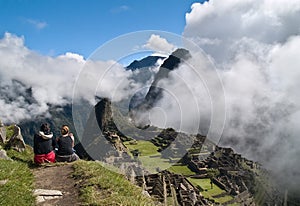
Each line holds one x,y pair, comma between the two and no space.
150,162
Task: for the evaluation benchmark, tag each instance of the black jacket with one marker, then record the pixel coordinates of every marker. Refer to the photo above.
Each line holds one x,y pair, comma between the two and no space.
43,144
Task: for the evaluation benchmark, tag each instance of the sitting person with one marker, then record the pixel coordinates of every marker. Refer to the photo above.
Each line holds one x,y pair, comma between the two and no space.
65,143
43,145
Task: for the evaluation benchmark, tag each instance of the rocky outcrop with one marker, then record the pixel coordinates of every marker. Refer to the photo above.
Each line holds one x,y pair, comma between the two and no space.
103,112
16,142
2,133
3,155
97,141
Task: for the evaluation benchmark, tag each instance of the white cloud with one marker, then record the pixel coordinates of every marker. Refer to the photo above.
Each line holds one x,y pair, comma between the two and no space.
256,47
104,79
37,23
265,21
70,55
159,44
51,80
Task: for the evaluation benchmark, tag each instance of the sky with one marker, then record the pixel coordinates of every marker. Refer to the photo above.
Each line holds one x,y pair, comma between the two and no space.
244,79
54,27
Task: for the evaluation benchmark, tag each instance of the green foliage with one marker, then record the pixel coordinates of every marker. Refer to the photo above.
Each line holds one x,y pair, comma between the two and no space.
100,186
9,131
212,173
18,188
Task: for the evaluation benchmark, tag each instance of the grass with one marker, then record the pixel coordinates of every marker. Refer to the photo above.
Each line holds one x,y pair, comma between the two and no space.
149,156
100,186
25,157
151,159
146,148
152,163
181,169
208,192
205,185
19,185
9,131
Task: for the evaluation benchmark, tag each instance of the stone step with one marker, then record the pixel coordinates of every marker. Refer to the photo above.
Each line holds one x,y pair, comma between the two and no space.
44,192
43,195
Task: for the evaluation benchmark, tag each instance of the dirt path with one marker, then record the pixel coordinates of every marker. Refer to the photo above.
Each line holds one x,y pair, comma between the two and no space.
57,177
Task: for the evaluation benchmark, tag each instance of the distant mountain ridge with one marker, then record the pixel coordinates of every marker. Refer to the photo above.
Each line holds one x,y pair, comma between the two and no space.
148,61
155,93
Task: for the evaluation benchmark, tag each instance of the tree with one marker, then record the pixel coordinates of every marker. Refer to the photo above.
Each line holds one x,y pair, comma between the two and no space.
212,173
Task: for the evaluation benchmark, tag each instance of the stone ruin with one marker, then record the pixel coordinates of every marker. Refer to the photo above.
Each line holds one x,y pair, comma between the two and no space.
170,188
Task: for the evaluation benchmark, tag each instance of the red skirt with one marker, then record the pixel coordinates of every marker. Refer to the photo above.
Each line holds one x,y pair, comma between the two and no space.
44,158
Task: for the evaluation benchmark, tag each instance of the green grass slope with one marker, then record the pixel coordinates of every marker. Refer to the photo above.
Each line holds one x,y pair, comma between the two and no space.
100,186
18,177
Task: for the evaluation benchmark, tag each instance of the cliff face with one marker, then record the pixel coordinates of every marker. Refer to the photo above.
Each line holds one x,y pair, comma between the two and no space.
155,93
102,139
103,112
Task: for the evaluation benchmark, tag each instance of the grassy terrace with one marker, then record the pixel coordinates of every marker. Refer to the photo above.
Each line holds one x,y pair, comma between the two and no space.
100,186
152,160
181,169
149,156
146,148
207,192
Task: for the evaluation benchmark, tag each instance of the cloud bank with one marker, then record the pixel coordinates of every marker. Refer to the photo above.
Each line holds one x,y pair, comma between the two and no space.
30,83
255,45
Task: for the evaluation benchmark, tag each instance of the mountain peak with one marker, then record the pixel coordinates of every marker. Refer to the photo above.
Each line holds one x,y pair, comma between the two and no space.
145,62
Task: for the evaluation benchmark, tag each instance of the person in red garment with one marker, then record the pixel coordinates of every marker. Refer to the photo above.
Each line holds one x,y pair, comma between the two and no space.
43,145
65,143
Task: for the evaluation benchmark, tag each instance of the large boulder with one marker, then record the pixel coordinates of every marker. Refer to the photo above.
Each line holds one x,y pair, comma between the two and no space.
3,155
16,142
2,133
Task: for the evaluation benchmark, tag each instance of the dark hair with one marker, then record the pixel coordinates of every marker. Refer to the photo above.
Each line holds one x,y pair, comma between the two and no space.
45,127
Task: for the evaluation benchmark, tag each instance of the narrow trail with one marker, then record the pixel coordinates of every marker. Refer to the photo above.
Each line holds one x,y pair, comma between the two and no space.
57,177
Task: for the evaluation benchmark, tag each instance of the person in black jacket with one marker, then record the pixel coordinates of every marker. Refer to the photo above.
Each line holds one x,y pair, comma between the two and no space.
65,143
43,145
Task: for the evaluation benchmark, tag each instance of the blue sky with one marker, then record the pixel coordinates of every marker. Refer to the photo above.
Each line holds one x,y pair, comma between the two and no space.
55,27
